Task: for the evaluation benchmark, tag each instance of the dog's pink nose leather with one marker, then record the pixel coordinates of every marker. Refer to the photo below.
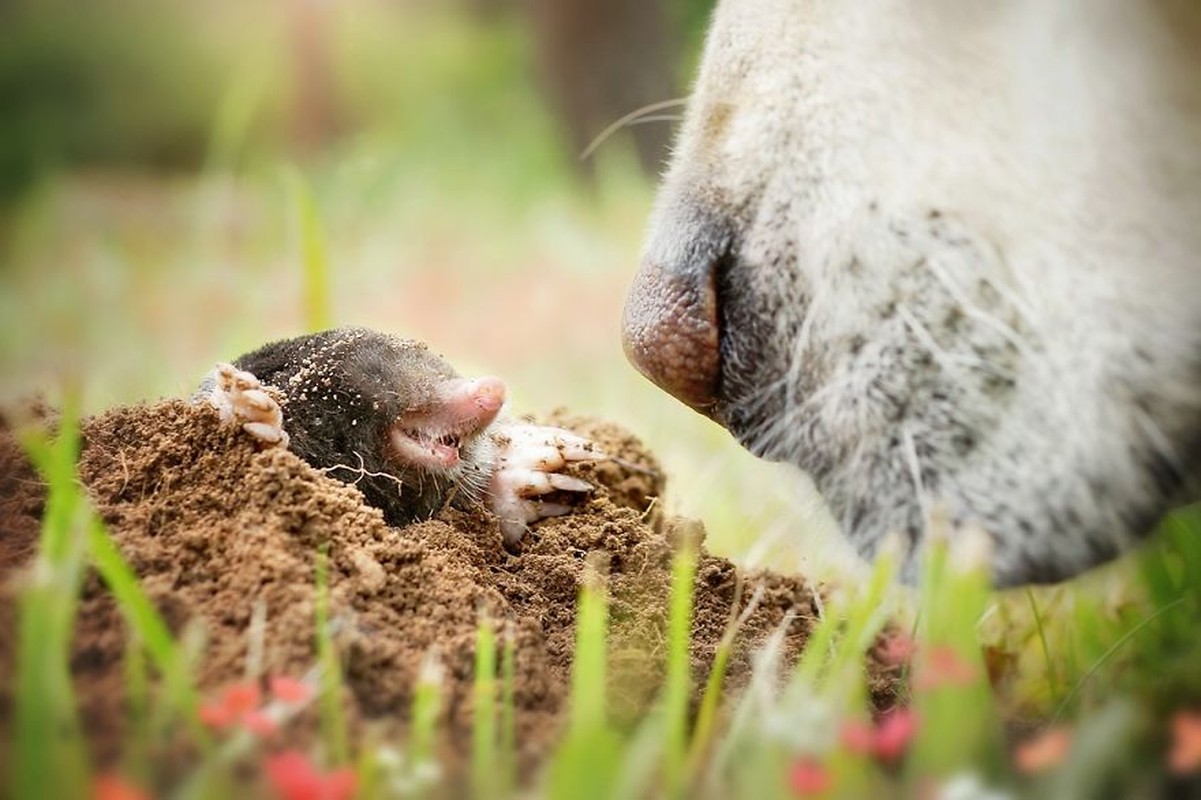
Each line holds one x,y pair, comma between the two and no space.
670,332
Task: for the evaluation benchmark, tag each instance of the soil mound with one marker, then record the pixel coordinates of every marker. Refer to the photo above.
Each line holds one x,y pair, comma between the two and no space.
215,526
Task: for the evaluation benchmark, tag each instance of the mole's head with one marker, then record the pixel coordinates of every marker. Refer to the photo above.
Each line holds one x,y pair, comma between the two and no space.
430,417
385,414
438,427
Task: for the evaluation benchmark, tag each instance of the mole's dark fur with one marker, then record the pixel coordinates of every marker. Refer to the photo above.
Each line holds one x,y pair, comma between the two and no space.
342,390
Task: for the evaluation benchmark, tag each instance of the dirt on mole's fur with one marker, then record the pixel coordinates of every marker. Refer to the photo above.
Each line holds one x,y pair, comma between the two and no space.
214,525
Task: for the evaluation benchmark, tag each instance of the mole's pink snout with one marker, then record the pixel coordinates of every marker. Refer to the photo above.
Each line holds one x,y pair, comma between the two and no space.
488,394
430,436
471,404
670,331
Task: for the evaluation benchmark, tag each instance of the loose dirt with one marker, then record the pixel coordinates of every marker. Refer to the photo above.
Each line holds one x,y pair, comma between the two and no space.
216,527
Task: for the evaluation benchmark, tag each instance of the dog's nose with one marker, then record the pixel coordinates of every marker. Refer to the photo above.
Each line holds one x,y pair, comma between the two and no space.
671,330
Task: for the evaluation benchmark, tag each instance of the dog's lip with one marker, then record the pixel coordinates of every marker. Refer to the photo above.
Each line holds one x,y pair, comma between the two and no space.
671,332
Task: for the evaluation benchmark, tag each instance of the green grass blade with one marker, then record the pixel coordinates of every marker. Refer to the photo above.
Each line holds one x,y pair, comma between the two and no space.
706,719
427,707
483,749
508,708
147,625
1053,680
318,312
678,688
959,725
585,765
49,758
333,721
138,742
588,668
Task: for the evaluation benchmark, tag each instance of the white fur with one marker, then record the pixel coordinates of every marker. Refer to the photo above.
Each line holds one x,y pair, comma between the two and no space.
1058,145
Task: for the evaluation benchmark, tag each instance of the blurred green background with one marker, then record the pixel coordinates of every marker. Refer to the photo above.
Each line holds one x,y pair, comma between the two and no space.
155,156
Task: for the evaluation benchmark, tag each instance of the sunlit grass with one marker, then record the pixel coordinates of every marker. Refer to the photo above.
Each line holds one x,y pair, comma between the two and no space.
484,759
774,738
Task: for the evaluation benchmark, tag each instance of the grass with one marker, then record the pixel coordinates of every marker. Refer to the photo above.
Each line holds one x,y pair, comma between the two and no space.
484,757
775,740
419,227
49,754
333,719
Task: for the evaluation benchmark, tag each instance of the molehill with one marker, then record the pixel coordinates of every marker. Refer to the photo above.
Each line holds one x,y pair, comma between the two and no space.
215,526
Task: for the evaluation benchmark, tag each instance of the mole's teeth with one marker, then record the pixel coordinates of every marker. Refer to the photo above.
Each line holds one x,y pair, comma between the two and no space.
421,449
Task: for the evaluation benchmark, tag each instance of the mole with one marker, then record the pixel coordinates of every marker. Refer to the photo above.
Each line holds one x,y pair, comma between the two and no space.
394,419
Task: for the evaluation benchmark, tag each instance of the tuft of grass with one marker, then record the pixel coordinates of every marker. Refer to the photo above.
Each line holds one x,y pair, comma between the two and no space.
1053,682
149,629
425,712
585,764
705,731
314,256
49,758
137,699
678,686
955,594
333,719
483,741
508,709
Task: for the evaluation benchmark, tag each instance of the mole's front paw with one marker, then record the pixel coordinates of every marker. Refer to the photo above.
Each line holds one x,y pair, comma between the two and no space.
239,397
528,466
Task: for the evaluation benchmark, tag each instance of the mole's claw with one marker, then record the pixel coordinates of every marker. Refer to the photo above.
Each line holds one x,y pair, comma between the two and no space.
551,509
577,448
512,530
569,484
239,397
528,466
258,399
267,434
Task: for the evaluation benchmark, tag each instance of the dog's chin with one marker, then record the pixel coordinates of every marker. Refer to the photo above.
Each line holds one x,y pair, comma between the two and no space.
755,426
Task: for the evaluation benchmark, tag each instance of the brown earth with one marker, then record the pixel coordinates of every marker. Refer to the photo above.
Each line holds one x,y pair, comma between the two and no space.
213,526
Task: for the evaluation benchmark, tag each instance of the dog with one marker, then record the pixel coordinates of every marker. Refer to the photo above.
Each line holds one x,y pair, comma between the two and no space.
945,256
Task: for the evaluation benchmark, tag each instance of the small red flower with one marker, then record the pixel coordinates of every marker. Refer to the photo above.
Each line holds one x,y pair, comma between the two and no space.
1185,755
234,703
898,649
260,724
241,698
289,690
1044,751
894,733
944,667
294,777
239,704
113,787
216,715
858,737
807,778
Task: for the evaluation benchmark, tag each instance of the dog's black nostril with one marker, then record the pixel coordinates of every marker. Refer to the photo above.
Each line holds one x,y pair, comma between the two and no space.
671,331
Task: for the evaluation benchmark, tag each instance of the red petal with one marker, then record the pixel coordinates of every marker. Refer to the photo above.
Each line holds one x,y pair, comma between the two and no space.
1043,752
898,649
260,724
241,698
894,733
858,737
114,787
341,784
808,777
293,776
1185,756
216,715
290,690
